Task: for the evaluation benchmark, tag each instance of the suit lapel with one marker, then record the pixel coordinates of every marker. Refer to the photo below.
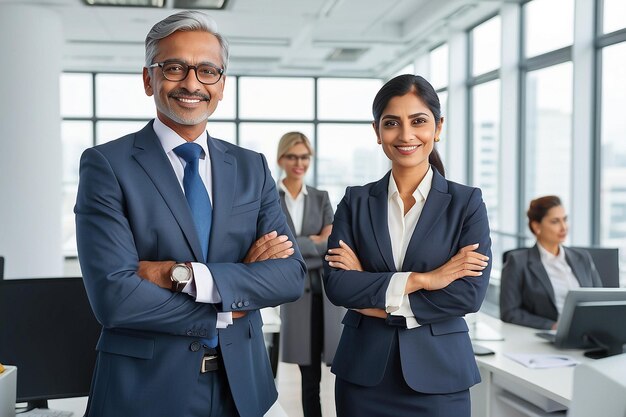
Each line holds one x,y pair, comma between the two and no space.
283,205
434,207
537,269
224,178
378,206
150,155
577,269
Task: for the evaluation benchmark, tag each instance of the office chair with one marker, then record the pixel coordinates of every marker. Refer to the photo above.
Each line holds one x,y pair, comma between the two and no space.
605,259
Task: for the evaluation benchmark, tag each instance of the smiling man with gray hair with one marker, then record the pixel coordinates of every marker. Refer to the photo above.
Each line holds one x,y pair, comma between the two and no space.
181,240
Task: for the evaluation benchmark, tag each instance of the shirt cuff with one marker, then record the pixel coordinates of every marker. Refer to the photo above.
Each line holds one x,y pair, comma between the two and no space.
224,320
395,291
202,286
397,302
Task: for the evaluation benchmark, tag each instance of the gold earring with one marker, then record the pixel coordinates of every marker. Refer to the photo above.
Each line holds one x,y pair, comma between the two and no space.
437,139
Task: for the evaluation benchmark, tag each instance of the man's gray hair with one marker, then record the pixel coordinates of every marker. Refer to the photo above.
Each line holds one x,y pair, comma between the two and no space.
188,20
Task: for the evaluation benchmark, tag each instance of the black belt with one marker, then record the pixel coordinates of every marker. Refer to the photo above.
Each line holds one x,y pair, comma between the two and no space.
396,321
210,361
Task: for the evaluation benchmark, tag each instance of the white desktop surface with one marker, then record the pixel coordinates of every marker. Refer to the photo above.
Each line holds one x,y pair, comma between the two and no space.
555,384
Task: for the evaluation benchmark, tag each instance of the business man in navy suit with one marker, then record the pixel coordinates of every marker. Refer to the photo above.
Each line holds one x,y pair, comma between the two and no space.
165,274
408,258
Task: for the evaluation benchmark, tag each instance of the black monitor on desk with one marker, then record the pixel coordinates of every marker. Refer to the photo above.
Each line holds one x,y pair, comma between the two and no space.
49,332
593,318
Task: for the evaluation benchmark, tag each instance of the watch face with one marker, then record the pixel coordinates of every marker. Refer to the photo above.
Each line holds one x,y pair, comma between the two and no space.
181,273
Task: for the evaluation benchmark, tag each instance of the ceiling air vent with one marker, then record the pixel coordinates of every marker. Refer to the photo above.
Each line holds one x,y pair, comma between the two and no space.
346,54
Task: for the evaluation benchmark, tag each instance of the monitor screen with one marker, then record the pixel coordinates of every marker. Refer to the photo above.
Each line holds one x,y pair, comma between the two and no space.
593,318
50,333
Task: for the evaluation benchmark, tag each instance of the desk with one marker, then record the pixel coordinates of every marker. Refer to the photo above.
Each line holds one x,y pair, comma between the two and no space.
537,392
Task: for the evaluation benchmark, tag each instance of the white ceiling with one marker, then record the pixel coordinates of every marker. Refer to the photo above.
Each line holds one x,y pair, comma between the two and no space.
276,37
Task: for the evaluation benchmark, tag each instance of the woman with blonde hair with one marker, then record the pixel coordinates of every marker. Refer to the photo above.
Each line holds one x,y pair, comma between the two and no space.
310,326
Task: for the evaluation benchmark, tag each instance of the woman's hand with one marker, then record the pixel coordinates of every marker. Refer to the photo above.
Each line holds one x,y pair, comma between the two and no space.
343,257
466,263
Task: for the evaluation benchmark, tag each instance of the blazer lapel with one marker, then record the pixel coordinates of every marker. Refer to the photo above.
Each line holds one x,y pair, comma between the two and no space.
578,269
224,178
283,205
150,155
434,207
378,206
536,267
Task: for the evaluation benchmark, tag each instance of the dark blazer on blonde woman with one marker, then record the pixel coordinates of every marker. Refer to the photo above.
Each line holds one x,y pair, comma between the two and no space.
295,339
526,293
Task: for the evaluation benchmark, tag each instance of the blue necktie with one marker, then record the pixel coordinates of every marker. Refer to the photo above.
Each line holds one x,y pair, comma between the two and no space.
196,193
199,202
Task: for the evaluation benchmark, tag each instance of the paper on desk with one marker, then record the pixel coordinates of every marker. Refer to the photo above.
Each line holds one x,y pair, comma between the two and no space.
541,360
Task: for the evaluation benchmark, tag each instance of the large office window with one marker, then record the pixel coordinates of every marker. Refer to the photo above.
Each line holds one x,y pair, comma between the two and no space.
347,152
485,113
486,45
548,132
613,150
614,16
549,25
438,62
486,145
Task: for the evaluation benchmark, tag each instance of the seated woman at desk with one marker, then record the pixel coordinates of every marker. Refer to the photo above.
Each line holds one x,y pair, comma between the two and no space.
535,281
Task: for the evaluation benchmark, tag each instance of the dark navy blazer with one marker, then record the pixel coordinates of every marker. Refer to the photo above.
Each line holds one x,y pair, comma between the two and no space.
131,207
436,357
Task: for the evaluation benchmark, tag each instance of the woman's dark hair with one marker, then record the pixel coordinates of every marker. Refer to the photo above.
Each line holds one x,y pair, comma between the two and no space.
539,207
401,85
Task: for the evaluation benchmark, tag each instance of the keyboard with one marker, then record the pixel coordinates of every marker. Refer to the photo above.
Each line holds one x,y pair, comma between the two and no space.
549,335
45,412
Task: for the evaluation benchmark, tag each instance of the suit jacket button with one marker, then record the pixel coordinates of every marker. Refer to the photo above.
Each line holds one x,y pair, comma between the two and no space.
246,303
202,333
373,300
233,306
195,346
189,332
239,304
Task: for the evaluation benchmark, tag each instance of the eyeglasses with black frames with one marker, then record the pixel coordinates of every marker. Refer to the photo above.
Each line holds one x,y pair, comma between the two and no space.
206,73
293,158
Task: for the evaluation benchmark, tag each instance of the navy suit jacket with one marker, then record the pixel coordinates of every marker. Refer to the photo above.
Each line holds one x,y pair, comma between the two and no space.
436,357
131,207
526,293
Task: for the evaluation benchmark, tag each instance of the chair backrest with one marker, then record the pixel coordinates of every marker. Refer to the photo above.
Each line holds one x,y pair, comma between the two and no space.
607,264
605,259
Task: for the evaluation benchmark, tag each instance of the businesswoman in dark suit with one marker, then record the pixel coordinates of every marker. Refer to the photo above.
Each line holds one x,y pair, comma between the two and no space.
310,326
408,258
535,281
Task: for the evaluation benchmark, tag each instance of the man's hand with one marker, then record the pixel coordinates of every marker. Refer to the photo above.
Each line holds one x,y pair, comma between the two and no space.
157,272
269,246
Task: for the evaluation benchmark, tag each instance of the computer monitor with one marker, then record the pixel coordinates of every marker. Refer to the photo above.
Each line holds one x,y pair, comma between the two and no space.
50,333
593,318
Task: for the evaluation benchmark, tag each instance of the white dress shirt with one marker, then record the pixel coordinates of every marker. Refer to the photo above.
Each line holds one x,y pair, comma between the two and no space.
401,228
560,273
202,286
295,206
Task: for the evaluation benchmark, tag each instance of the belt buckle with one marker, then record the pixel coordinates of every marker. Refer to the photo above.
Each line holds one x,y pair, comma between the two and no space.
209,363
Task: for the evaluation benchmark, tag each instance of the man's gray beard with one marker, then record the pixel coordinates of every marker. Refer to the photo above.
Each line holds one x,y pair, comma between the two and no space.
169,112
